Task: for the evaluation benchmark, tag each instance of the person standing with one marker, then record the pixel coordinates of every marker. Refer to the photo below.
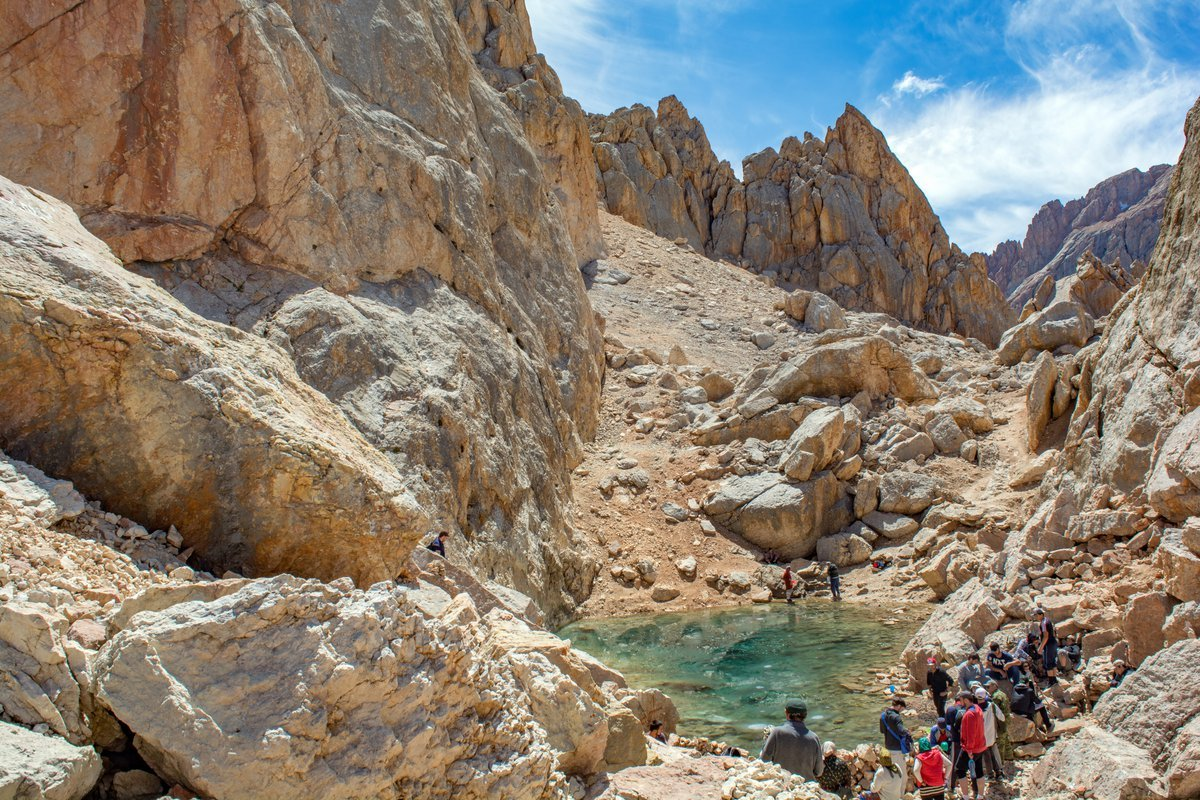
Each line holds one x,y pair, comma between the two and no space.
954,714
972,746
438,545
789,583
793,746
1000,700
896,738
1048,644
939,683
930,771
995,765
835,581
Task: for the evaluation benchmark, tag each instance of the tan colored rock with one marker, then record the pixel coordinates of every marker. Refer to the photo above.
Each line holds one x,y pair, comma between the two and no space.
353,210
1174,485
908,492
841,216
295,487
845,368
786,517
967,616
716,386
428,705
36,682
844,549
1061,323
1107,766
814,444
1145,615
1038,397
945,434
37,767
1180,566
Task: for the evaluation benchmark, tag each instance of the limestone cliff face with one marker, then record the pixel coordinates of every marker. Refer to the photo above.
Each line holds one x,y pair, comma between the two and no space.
1136,427
1118,218
381,189
842,215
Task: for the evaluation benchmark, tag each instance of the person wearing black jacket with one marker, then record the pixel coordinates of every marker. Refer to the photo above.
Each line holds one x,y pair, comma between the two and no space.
939,683
1025,701
896,738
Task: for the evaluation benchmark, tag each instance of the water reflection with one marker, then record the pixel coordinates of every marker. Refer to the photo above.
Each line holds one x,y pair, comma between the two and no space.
730,671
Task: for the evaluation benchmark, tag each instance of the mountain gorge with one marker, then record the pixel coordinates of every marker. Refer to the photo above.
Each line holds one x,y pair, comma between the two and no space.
288,288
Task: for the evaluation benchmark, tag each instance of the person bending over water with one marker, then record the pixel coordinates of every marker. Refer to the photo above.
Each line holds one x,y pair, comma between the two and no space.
793,746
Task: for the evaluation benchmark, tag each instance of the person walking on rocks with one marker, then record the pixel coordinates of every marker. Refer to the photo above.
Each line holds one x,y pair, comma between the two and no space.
835,581
939,683
438,545
972,746
896,738
793,746
789,583
1048,644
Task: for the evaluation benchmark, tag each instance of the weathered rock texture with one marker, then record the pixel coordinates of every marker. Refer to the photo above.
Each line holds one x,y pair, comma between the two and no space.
36,767
1145,740
1140,384
1118,219
173,419
842,215
392,192
284,687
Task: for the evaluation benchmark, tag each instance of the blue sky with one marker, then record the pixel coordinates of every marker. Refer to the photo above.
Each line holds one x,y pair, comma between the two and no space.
995,107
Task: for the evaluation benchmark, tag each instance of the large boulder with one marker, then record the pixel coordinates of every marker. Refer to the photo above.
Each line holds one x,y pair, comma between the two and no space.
1174,485
1061,323
1145,740
957,628
37,767
37,685
778,515
1145,615
1038,399
1180,566
844,549
823,314
814,444
406,226
178,420
287,687
844,368
908,492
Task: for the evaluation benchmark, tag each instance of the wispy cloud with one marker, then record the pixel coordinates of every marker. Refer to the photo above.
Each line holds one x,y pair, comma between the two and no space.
912,83
988,157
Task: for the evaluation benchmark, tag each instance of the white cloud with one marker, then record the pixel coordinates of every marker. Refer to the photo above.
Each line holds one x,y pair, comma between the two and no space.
912,83
987,158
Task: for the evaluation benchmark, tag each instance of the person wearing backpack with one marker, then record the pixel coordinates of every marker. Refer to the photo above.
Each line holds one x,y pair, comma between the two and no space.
930,770
896,738
973,744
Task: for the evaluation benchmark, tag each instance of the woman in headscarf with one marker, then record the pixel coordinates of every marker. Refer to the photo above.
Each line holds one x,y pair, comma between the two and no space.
931,770
836,777
889,782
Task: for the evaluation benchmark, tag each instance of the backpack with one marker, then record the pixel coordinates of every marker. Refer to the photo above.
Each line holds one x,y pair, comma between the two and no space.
905,740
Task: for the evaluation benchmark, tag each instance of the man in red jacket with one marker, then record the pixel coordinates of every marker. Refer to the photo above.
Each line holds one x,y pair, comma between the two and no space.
969,763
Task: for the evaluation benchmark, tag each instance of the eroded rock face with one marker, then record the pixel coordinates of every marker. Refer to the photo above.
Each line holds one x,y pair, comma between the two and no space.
44,767
841,216
286,687
1118,219
1149,724
177,420
404,219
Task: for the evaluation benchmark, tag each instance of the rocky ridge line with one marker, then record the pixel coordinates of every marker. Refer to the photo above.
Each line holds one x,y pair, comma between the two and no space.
840,215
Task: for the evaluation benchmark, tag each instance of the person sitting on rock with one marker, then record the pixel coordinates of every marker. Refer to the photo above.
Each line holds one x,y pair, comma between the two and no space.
1027,703
1120,670
1028,655
889,781
793,746
656,731
970,670
438,545
836,777
1001,665
1070,654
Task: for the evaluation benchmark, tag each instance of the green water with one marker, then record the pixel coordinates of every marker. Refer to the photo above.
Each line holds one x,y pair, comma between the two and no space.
729,671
